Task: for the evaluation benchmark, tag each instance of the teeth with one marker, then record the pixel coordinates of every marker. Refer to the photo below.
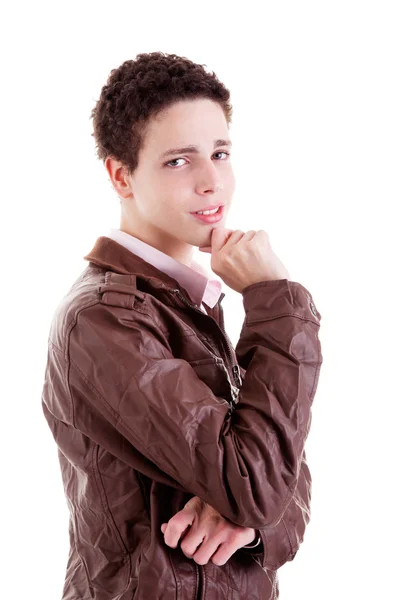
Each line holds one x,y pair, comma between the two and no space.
208,212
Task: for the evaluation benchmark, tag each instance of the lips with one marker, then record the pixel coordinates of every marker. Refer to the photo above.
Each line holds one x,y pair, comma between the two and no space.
210,219
211,207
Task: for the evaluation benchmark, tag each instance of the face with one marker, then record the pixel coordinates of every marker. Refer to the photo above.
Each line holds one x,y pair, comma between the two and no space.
158,198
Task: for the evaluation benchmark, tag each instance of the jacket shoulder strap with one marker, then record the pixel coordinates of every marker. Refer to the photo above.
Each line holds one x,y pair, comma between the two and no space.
120,289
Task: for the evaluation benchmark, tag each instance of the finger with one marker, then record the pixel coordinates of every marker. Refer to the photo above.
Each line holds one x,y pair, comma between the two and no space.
176,526
205,249
234,237
209,549
219,236
224,553
249,235
191,542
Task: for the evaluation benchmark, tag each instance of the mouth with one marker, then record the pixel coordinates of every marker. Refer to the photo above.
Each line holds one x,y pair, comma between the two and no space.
210,207
213,218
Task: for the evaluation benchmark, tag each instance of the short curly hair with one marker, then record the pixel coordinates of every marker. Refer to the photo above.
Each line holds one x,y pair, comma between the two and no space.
141,88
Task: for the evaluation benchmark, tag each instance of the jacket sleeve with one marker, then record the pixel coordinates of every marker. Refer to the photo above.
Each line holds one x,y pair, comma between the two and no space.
245,464
280,544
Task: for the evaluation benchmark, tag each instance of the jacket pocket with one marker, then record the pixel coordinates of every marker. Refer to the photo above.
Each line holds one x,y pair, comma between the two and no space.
98,541
213,372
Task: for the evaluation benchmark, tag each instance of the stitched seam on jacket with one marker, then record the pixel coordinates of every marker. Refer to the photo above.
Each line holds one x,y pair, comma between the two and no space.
277,565
71,325
108,514
269,283
56,349
285,314
290,492
62,354
103,497
317,370
287,533
175,572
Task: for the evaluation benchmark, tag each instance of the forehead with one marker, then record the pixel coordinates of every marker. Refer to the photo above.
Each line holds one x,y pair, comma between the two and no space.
188,122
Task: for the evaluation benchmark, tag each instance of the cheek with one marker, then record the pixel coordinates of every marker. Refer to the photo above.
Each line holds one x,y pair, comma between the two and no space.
171,204
232,183
166,213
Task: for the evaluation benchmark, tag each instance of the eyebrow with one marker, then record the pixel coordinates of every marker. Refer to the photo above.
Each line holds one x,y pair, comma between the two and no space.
194,149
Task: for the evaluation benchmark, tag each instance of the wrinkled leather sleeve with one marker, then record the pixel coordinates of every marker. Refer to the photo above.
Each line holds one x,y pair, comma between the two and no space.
245,464
281,543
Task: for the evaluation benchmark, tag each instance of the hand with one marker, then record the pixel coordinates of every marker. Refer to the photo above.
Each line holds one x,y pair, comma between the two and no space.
205,533
241,259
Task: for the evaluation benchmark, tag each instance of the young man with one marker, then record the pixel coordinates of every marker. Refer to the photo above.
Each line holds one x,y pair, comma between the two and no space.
182,457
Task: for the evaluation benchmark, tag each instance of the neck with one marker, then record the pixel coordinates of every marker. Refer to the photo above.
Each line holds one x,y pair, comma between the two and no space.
180,251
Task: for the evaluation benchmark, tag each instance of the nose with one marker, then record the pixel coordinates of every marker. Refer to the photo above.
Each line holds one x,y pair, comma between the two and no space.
211,179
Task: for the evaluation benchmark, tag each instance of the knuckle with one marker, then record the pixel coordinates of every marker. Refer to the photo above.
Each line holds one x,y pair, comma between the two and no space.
224,259
193,502
186,551
176,521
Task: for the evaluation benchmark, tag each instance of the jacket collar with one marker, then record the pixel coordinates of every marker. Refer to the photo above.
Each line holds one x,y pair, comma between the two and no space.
111,255
194,278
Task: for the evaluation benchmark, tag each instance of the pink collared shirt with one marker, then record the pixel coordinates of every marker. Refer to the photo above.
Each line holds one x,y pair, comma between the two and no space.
200,287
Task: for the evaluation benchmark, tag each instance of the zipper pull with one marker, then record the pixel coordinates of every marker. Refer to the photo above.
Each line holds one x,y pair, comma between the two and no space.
235,393
236,374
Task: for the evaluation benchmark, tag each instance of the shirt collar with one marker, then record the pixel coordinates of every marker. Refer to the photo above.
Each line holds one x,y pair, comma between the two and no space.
194,279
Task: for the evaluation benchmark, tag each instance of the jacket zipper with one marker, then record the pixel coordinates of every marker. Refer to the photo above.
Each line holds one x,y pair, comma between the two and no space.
200,582
235,367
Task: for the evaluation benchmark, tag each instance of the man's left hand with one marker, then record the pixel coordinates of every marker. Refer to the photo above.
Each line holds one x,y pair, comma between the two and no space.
205,534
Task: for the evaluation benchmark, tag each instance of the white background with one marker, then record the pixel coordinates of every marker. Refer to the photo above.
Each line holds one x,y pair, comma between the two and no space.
316,99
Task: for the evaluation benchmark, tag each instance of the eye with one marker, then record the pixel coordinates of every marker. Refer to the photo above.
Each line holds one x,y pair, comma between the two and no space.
175,159
222,152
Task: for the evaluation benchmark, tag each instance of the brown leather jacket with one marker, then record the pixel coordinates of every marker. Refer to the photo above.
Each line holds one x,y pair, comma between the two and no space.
150,405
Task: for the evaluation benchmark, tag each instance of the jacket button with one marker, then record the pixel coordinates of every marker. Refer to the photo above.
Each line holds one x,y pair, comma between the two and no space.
313,309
